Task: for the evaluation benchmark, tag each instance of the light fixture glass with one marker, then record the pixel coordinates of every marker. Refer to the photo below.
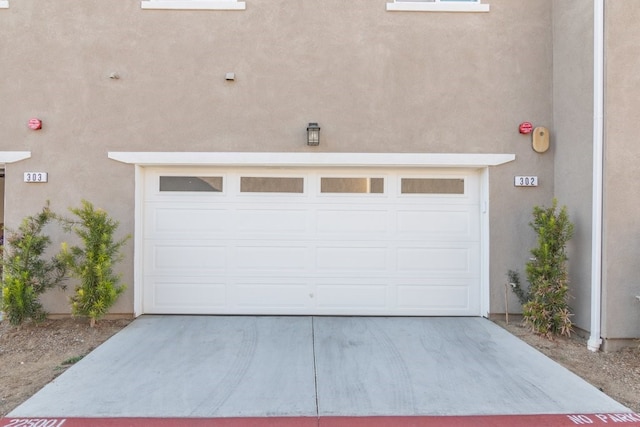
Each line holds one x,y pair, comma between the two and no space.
313,134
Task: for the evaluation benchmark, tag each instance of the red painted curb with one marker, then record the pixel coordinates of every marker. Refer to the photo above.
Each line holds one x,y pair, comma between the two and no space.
568,420
161,422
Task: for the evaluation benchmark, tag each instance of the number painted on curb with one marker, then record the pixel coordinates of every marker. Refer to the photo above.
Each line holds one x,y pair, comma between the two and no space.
35,422
601,419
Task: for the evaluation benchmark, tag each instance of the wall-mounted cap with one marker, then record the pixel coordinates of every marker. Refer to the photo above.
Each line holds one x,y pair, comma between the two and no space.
525,128
230,76
35,124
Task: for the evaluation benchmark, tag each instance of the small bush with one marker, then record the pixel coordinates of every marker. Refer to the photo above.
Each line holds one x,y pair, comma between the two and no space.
72,360
547,310
93,262
26,274
516,287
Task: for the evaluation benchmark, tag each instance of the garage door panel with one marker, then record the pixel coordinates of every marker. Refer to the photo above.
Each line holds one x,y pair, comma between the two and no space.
281,257
269,294
356,258
346,295
181,296
432,296
278,220
187,258
352,221
436,260
200,219
447,223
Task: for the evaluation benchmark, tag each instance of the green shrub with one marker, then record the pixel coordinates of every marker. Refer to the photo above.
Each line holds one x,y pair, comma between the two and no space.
93,262
516,287
547,310
27,274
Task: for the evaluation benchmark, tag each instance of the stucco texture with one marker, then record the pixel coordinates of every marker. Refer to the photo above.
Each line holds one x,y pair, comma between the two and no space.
621,269
573,125
375,81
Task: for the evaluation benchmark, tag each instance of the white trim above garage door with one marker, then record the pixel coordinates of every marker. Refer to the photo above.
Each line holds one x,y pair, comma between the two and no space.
472,167
13,156
469,160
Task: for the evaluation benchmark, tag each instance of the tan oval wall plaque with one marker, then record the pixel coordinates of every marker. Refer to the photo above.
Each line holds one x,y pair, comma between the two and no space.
540,139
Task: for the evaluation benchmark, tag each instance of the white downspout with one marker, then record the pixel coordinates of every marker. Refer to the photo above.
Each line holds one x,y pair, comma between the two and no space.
598,155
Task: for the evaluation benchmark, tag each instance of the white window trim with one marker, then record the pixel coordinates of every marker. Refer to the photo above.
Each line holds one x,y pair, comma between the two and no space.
193,4
4,4
437,6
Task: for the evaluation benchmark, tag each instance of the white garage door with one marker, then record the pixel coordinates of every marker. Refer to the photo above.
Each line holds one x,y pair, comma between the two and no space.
311,241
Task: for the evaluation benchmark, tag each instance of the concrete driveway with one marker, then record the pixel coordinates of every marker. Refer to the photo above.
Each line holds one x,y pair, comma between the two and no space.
264,366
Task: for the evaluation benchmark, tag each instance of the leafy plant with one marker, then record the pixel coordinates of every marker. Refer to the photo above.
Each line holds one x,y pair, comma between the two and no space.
72,360
93,262
514,281
68,362
547,310
27,274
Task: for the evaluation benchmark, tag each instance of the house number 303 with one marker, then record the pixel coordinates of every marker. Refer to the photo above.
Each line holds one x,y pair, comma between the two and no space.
526,181
36,177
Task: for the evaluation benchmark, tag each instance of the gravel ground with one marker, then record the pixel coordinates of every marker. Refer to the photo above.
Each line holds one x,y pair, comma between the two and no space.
616,373
33,355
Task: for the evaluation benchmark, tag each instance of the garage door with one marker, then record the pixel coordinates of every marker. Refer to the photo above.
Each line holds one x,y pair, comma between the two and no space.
311,241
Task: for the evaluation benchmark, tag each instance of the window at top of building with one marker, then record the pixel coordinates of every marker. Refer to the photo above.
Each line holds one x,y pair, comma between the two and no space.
193,4
438,6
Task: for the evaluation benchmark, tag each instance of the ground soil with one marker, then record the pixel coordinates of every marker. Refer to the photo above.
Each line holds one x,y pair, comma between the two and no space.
616,373
33,355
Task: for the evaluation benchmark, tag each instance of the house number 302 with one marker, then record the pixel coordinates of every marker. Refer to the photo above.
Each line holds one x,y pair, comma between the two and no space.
526,181
36,177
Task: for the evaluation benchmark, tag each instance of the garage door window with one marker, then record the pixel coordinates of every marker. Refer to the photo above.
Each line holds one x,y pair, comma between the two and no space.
352,185
191,183
250,184
432,186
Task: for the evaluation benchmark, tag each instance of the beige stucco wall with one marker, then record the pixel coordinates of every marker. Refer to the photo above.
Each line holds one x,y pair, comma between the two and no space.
375,81
573,125
621,269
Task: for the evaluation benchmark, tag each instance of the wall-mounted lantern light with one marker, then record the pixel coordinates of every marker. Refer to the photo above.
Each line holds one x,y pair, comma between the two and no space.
313,134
